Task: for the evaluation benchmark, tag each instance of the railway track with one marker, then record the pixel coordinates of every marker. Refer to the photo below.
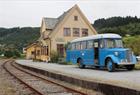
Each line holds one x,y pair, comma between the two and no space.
38,85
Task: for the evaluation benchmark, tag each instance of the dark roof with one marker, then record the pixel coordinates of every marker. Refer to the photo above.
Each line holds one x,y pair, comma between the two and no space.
51,23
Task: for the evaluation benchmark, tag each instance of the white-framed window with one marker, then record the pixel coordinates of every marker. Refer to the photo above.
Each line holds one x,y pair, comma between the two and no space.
76,32
67,31
84,32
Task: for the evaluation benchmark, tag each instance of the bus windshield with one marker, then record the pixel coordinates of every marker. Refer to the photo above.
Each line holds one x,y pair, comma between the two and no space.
113,43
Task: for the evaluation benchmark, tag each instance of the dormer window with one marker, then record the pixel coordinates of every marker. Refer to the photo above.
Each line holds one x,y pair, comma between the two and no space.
75,18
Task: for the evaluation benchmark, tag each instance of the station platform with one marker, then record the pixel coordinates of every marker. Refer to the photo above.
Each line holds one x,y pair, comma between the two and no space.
120,78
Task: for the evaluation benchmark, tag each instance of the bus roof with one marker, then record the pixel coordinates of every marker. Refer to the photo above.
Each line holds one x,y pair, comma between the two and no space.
98,36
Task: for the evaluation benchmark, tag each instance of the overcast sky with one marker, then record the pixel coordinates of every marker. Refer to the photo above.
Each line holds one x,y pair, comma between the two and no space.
22,13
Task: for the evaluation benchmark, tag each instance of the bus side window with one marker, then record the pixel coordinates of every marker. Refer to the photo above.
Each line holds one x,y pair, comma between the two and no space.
73,46
69,47
83,45
78,46
101,43
90,44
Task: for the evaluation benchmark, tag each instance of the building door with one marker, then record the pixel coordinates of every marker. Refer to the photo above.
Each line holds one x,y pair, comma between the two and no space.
60,49
46,50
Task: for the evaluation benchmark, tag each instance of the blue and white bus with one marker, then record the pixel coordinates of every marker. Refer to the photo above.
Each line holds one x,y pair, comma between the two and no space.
102,50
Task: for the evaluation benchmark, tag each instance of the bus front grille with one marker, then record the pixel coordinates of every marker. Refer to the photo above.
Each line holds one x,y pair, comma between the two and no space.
128,55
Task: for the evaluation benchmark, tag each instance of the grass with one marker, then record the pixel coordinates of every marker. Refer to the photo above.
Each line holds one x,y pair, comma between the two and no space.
137,66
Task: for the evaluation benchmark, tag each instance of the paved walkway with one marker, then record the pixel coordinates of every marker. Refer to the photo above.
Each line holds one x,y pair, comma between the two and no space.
124,78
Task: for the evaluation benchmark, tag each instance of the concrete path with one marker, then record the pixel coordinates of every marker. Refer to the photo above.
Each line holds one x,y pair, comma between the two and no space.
124,78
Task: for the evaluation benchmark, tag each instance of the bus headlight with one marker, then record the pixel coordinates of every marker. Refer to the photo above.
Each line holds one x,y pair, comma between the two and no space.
116,53
132,53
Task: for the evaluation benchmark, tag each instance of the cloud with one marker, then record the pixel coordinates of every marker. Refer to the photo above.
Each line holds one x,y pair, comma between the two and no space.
30,12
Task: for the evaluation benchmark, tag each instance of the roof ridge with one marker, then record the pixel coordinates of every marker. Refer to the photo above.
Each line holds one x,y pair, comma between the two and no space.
49,18
51,23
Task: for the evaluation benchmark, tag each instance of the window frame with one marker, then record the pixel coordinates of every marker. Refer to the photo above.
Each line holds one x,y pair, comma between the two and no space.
75,32
75,18
96,40
84,32
101,41
66,32
78,45
73,48
88,44
81,46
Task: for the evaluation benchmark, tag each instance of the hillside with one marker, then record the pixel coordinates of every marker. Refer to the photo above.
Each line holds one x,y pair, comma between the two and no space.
128,27
120,25
17,38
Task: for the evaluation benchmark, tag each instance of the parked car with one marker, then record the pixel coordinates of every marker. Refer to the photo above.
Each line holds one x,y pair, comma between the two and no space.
138,58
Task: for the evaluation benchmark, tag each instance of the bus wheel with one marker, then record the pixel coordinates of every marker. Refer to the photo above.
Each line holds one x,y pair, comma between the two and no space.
130,67
80,64
97,67
110,65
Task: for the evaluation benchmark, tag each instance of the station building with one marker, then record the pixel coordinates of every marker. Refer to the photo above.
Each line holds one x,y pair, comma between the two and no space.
55,33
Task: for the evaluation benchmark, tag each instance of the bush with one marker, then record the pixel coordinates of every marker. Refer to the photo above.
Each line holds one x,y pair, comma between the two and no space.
16,53
8,54
133,42
54,57
12,53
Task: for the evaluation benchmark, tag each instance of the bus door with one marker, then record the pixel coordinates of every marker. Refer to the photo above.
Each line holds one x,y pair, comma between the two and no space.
96,51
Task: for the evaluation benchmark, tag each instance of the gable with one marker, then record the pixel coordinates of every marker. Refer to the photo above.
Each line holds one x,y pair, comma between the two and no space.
68,21
80,23
71,22
44,30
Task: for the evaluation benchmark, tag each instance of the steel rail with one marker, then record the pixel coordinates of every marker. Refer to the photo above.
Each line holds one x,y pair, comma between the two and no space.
30,87
35,75
68,88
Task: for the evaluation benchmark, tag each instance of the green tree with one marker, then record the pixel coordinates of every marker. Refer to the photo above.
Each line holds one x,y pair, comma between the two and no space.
132,42
8,54
16,53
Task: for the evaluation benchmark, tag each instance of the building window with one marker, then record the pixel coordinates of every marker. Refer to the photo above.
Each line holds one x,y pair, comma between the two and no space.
60,49
32,52
38,52
76,32
46,50
75,18
67,32
84,32
41,50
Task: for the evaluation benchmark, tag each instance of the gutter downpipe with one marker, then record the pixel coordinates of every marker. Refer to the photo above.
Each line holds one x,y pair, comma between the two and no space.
50,46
